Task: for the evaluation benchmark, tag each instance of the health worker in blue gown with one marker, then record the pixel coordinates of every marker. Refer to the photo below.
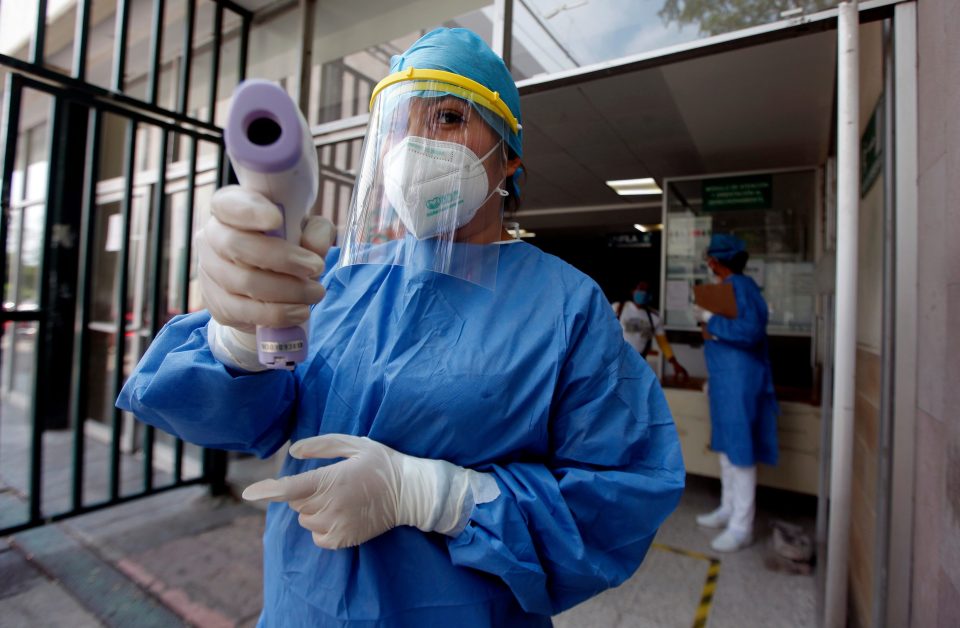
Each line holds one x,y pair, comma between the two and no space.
474,444
743,404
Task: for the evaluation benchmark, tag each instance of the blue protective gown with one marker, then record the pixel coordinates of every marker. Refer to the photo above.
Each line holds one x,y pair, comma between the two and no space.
532,382
743,404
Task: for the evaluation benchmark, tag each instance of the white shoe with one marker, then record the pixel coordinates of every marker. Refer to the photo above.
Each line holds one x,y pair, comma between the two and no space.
716,519
731,541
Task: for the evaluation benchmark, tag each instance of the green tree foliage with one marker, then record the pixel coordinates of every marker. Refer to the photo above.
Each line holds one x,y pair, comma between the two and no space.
723,16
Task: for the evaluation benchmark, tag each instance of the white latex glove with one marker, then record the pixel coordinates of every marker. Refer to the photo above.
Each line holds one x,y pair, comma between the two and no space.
248,278
374,490
701,314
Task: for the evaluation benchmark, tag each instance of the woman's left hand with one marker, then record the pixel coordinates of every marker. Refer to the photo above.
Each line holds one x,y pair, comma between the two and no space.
372,490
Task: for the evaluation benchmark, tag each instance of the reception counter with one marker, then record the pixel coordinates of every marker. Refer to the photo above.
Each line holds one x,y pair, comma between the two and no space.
798,429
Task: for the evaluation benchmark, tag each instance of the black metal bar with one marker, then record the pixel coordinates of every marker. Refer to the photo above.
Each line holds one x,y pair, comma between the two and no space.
156,49
215,471
156,235
215,62
235,8
37,404
40,34
149,436
9,132
156,274
186,64
244,46
185,275
11,125
178,461
507,53
307,12
79,391
215,460
223,167
188,236
20,315
53,82
94,507
120,45
81,33
64,211
123,262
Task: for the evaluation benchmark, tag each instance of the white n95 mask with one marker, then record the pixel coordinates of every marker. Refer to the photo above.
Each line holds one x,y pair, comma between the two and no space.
435,186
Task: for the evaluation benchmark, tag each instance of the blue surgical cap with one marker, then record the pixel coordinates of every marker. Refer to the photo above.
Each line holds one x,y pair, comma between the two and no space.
724,246
463,52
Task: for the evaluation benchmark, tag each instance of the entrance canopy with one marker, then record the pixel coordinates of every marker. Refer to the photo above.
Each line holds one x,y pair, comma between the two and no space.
766,106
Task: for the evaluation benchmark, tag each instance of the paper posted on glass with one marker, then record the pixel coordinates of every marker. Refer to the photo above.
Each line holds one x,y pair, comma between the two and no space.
716,297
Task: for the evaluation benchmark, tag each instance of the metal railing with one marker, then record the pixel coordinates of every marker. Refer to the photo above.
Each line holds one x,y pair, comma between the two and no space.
76,147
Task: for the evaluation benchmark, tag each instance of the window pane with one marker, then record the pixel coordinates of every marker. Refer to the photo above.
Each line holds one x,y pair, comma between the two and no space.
342,86
550,35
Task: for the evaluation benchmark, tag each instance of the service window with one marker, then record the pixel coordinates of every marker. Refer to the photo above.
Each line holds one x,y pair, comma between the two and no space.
774,213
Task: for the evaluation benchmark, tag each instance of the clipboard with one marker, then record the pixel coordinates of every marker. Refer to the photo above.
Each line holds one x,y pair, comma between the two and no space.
719,298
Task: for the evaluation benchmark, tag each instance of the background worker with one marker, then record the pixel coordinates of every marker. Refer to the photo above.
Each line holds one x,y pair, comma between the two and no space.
446,469
642,325
743,404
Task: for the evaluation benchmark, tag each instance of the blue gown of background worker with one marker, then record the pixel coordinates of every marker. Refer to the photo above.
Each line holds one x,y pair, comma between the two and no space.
531,382
743,403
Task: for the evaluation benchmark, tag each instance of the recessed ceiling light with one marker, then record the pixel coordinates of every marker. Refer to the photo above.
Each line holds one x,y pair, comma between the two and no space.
632,187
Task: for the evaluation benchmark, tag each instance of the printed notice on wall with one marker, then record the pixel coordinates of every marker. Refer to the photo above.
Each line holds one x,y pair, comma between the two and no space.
678,295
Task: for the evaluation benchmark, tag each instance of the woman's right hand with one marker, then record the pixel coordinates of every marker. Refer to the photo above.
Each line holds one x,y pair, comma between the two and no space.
248,278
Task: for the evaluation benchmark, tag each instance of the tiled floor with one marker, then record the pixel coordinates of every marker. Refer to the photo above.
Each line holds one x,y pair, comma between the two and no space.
666,590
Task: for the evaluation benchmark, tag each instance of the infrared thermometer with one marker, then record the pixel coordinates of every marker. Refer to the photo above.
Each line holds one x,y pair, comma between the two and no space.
272,152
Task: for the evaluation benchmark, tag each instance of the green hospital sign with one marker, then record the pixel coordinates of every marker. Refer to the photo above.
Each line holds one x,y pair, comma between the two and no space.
735,193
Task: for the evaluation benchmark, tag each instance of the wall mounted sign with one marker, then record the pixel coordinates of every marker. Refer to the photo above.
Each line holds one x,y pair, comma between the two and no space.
630,240
737,193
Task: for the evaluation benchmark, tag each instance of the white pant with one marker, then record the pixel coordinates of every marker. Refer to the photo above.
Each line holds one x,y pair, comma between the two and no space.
738,489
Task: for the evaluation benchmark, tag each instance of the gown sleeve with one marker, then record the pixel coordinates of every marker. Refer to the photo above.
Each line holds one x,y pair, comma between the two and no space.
180,388
749,328
580,519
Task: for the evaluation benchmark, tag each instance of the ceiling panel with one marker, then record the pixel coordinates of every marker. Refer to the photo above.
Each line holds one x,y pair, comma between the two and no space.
766,106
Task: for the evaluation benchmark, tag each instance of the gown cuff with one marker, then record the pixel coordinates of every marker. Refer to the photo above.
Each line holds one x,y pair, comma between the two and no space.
233,348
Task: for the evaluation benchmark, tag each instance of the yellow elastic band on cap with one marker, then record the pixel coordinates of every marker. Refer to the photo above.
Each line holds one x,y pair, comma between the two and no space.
492,98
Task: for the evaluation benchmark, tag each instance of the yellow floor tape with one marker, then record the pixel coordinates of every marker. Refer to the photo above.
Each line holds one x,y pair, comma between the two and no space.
706,595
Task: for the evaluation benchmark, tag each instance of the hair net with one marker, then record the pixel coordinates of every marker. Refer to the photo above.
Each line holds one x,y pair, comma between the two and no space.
462,52
724,246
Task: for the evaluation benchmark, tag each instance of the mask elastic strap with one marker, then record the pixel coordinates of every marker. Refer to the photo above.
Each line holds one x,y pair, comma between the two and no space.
490,152
496,189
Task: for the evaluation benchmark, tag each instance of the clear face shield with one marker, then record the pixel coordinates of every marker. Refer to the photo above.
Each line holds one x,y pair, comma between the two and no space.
429,191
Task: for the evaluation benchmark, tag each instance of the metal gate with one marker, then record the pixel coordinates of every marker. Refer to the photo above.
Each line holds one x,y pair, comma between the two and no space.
101,168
